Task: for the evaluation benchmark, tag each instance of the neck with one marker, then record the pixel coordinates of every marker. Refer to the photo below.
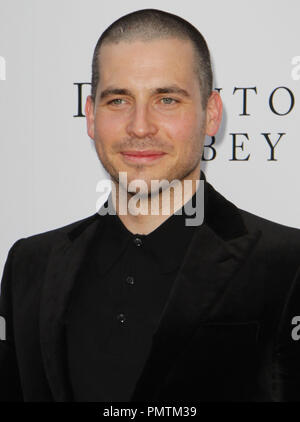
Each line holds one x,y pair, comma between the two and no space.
143,214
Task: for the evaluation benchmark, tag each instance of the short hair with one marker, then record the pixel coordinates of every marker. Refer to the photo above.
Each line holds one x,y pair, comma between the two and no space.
151,24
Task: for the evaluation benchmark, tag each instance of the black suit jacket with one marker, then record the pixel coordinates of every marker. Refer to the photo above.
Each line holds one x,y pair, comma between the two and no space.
225,333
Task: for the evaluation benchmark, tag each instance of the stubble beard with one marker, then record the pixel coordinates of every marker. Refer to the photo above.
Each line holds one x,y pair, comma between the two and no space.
175,173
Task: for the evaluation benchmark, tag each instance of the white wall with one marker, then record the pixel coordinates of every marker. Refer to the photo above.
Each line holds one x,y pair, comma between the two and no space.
49,169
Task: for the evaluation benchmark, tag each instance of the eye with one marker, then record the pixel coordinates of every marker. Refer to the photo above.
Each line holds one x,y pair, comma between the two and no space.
169,100
116,101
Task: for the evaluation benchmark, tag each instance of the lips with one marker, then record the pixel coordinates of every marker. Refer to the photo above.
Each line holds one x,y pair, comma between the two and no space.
142,153
142,156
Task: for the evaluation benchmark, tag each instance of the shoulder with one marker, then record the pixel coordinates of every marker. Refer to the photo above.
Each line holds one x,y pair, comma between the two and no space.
270,229
279,244
42,242
232,221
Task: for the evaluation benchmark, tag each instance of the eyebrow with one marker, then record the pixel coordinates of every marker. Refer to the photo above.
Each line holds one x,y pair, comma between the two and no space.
172,89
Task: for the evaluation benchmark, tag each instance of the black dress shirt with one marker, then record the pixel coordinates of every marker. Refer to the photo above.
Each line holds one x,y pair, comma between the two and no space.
116,305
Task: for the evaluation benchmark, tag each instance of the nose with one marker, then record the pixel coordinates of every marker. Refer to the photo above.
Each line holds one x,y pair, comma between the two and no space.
141,123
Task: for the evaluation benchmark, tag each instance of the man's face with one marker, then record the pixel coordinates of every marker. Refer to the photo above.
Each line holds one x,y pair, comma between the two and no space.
149,101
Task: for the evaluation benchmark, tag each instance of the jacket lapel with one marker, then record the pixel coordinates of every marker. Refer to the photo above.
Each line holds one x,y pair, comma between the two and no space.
218,250
64,262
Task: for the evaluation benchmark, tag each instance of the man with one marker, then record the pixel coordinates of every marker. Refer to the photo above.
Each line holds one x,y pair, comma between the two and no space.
142,306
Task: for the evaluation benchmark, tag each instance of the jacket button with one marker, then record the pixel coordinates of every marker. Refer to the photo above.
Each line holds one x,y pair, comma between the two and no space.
138,241
121,317
130,280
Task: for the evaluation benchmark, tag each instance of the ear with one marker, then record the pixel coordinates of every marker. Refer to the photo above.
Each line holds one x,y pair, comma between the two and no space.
89,114
213,113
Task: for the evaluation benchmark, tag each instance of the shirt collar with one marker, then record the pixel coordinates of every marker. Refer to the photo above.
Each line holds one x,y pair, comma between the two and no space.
168,243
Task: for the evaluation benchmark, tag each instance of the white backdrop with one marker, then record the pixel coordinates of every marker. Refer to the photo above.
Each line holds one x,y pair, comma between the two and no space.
49,169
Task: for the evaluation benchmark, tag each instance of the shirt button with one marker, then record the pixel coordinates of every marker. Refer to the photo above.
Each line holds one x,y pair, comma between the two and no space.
130,280
121,318
138,241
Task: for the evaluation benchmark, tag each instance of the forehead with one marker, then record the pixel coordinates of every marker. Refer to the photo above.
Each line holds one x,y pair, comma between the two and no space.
171,60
